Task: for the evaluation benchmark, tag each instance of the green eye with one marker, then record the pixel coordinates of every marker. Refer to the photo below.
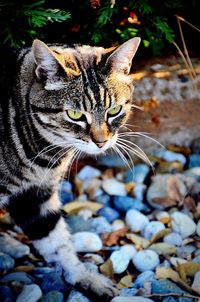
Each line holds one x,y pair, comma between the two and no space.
74,115
114,111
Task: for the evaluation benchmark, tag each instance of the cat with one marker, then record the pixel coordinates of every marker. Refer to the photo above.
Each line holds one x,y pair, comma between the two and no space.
63,101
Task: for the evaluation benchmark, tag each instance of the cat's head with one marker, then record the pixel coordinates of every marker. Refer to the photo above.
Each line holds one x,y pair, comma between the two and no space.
82,95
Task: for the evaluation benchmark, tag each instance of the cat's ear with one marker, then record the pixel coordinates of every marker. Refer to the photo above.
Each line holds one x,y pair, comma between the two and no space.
47,64
121,59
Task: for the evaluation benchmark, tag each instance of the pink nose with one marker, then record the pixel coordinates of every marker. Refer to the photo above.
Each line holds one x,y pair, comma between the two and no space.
100,144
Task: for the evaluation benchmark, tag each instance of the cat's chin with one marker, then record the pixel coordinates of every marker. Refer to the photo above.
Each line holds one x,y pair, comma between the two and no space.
92,149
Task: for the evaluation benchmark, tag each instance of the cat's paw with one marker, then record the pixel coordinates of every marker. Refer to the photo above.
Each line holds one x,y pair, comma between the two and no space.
97,286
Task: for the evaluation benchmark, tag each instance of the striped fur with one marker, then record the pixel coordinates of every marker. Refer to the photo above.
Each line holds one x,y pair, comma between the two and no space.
39,139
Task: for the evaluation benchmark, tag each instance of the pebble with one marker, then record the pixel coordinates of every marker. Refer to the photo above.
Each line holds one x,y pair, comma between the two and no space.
121,258
182,224
117,225
152,228
87,242
175,261
160,189
137,174
111,160
145,260
165,286
6,263
128,292
196,282
136,221
114,187
138,191
65,191
52,296
78,224
173,238
109,213
171,156
75,296
18,276
194,160
185,251
30,293
88,172
13,247
163,217
6,294
85,213
131,299
100,225
52,281
195,146
147,276
104,199
196,259
198,228
125,203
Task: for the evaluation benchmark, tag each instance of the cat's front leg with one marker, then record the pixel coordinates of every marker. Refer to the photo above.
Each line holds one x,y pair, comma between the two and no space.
38,214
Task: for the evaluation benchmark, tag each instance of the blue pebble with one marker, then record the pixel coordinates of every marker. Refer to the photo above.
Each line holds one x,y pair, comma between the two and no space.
103,199
196,259
147,276
78,224
165,286
52,296
111,161
128,292
18,276
40,271
6,263
75,296
137,174
52,281
109,213
170,299
6,294
66,194
125,203
194,160
184,299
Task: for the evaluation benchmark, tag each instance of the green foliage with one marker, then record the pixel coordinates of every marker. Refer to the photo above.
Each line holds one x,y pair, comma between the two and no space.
111,22
22,22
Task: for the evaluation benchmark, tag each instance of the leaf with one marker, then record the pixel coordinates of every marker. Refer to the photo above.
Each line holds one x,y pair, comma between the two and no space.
75,206
107,268
113,238
139,241
160,235
163,248
125,282
189,268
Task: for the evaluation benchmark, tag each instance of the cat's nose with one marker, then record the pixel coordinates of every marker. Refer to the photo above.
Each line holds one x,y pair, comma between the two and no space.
100,144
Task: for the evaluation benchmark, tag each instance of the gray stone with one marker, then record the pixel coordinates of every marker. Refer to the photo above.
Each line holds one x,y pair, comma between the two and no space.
173,238
182,224
147,276
52,296
6,294
18,276
145,260
88,172
6,263
30,293
100,225
185,251
78,224
13,247
137,174
131,299
165,286
152,228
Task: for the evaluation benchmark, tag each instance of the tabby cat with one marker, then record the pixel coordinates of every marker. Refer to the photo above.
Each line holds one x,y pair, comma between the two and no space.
63,101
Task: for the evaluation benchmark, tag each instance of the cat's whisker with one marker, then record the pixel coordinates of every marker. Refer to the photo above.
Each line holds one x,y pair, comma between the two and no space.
121,155
76,151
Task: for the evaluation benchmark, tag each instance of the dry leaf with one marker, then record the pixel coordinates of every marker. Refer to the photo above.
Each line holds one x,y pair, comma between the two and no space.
125,282
113,238
189,268
139,241
24,268
163,248
166,272
189,204
160,235
75,206
107,268
164,201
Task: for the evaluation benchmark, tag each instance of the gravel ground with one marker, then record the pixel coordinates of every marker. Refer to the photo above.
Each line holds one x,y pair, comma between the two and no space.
140,226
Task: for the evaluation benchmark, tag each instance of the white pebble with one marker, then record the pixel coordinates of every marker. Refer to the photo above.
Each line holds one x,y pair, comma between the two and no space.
196,282
183,224
88,172
113,187
175,261
198,228
117,225
146,260
128,249
173,238
30,293
120,261
163,216
152,228
85,213
135,220
86,242
138,191
131,299
171,156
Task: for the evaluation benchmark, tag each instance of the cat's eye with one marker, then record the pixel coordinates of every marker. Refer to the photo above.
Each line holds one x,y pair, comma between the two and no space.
114,111
75,115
